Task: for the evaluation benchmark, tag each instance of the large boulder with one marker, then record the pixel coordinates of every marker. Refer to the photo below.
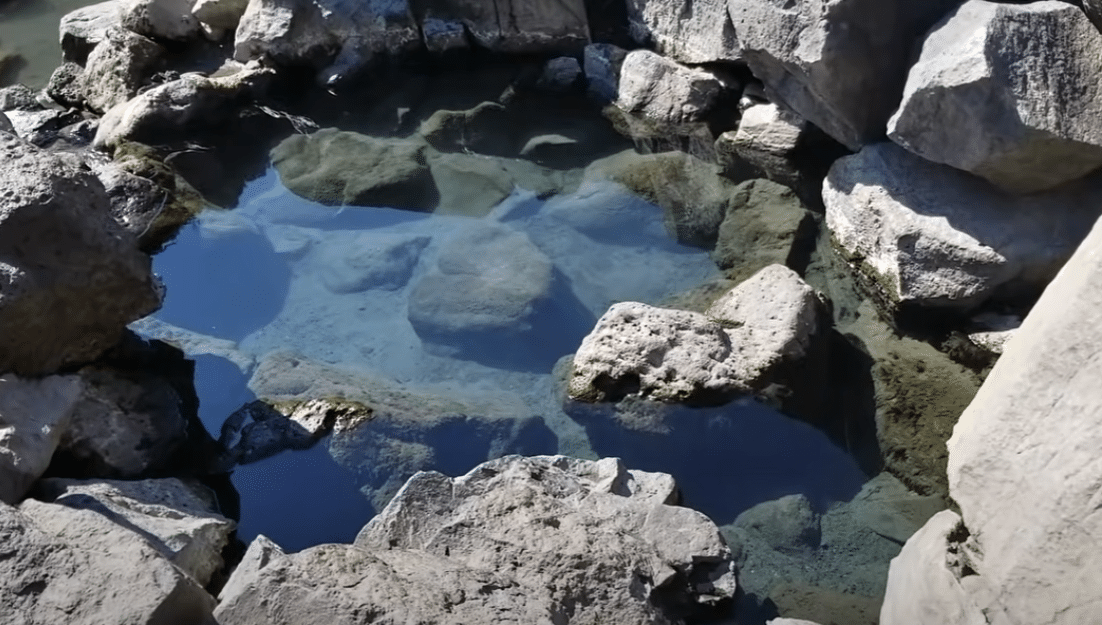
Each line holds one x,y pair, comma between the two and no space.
340,168
160,19
79,563
70,277
510,26
1005,91
685,31
593,542
179,519
117,67
33,416
1023,467
80,30
659,89
841,65
929,235
740,346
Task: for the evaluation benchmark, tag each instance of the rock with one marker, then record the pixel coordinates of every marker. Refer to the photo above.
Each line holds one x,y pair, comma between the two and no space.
489,128
125,424
992,332
82,29
160,19
179,519
928,582
71,281
513,26
1001,91
657,88
769,138
470,184
560,74
442,36
789,621
5,124
117,68
601,63
260,430
842,66
40,127
78,563
785,524
65,86
18,97
685,31
492,284
806,601
33,416
749,335
929,235
220,15
765,225
373,261
1022,465
339,168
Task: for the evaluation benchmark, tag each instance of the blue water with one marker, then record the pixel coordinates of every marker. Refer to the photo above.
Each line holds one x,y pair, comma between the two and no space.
280,274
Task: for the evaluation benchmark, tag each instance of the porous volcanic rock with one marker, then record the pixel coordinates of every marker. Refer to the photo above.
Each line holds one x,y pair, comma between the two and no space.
687,31
33,416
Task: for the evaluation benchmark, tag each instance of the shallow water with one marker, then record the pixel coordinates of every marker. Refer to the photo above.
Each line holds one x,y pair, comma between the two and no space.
29,28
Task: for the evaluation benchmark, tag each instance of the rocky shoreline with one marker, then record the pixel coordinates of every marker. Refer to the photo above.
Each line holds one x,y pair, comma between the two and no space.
886,189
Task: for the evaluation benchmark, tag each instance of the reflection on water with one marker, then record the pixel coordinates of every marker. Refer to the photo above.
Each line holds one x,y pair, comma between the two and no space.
449,326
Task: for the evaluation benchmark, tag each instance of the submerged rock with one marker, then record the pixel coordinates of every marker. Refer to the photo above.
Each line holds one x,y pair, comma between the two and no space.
685,31
1007,92
33,416
461,549
842,65
930,235
765,225
70,277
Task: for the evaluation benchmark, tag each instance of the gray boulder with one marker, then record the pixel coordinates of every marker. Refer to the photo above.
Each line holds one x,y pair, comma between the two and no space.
260,429
765,225
929,235
61,560
513,26
1002,91
842,65
340,168
160,19
601,63
1023,468
685,31
560,74
657,88
179,519
72,278
33,416
117,67
65,86
747,336
125,424
80,30
175,108
219,15
769,138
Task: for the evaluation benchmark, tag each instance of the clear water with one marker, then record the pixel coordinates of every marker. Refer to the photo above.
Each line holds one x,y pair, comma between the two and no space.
280,274
29,28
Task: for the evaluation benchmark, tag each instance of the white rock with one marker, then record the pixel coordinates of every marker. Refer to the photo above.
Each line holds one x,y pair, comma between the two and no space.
117,67
33,416
162,19
687,31
82,29
660,89
1006,91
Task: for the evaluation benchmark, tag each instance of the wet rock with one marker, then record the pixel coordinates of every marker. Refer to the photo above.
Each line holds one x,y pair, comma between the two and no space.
178,108
841,66
785,524
82,29
179,519
489,128
765,225
493,285
72,280
680,356
340,168
470,184
601,63
560,74
1002,91
65,86
117,68
160,19
41,126
372,262
685,31
259,429
930,235
513,26
78,563
657,88
33,416
125,424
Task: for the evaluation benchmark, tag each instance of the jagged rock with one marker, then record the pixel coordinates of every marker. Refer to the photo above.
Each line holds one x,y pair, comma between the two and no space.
600,530
657,88
71,278
1023,469
930,235
841,66
65,86
686,31
40,126
125,424
33,416
61,560
765,225
220,15
117,67
160,19
178,519
18,97
1004,91
750,333
768,137
601,63
259,429
340,168
513,26
82,29
175,108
